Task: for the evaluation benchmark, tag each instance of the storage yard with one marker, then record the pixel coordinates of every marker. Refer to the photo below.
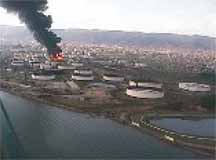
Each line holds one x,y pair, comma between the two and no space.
121,82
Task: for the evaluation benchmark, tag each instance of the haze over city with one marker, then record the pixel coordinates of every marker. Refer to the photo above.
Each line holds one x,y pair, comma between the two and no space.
167,16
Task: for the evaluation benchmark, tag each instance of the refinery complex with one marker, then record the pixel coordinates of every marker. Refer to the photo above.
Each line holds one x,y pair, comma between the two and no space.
109,75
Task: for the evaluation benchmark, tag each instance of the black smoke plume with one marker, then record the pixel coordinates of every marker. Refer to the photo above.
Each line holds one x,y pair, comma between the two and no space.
31,12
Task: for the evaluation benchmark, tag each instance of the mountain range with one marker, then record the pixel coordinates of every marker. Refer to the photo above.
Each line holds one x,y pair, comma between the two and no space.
139,39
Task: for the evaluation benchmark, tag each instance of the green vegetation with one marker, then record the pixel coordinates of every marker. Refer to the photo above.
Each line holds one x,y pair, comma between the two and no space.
208,102
208,77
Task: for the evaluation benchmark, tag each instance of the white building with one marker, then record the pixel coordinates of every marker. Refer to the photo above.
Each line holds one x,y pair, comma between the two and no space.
194,87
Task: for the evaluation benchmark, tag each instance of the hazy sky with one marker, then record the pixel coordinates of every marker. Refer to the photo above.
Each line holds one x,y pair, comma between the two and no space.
175,16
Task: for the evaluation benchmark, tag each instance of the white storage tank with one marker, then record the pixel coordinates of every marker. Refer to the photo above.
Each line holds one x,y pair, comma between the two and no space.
79,77
102,85
140,65
66,67
83,71
113,78
35,64
132,83
145,84
17,63
77,64
194,87
73,85
142,93
43,77
45,66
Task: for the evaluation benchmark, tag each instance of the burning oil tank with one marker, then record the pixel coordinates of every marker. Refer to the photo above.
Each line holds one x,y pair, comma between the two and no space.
57,57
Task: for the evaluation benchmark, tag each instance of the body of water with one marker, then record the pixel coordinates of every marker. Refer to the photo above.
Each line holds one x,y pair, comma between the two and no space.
42,131
199,127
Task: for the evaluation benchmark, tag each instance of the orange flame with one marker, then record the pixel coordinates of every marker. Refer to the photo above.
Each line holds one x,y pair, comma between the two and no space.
57,57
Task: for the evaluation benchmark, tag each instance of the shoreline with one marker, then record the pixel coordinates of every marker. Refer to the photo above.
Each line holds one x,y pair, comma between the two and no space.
19,90
150,114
